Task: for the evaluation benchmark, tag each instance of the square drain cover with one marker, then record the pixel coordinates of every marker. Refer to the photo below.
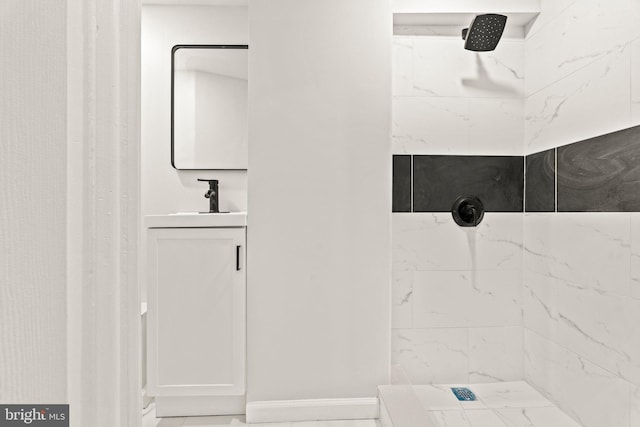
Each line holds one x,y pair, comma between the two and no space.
463,394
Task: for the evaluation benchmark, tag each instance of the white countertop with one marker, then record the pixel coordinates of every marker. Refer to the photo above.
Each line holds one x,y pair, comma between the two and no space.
195,219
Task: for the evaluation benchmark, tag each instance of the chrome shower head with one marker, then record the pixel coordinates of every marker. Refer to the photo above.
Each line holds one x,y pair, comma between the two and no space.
484,32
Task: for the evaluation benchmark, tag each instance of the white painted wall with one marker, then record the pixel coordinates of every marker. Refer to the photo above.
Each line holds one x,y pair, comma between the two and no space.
457,292
581,296
164,189
319,199
103,212
33,202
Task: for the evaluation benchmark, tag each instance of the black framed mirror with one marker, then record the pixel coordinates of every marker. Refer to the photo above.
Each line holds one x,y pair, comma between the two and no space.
209,101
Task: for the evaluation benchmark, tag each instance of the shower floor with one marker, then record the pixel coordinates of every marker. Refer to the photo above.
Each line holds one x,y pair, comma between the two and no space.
505,404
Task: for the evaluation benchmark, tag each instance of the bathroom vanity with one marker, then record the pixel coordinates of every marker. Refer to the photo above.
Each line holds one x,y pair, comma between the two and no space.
196,286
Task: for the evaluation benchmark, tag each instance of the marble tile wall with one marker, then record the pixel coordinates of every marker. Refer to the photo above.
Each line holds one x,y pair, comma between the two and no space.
582,63
454,313
457,292
579,309
457,297
447,100
581,298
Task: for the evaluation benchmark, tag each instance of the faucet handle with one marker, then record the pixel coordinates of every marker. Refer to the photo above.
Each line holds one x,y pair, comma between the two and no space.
213,187
212,194
212,182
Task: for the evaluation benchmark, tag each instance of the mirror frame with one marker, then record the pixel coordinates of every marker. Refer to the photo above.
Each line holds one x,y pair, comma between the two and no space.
173,51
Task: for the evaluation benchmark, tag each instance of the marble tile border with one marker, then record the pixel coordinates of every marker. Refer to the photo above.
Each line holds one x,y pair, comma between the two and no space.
401,200
599,174
439,180
540,181
432,183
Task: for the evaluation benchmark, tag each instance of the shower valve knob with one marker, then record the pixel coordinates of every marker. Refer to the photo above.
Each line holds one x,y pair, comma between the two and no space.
467,211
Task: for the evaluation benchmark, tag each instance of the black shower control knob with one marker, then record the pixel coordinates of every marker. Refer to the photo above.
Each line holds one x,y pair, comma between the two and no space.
467,211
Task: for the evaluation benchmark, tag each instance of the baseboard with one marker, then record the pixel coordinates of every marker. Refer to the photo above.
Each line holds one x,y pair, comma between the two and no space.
146,399
312,409
188,406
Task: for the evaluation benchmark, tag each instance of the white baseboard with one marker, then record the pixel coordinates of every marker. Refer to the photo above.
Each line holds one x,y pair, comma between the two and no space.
312,409
146,399
187,406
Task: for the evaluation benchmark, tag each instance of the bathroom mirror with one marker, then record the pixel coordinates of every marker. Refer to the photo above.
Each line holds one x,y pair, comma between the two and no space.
209,107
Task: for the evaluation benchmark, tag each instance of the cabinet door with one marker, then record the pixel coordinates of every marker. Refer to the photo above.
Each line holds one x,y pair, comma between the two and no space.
196,311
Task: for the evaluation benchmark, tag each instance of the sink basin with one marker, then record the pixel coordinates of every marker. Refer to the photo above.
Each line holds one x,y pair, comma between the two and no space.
196,219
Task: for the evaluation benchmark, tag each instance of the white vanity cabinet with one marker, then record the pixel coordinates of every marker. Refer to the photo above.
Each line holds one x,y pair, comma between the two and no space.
196,285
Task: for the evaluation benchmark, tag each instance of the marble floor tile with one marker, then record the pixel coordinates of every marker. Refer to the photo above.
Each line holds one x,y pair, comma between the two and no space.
470,404
472,418
437,397
484,418
528,417
514,394
451,418
503,404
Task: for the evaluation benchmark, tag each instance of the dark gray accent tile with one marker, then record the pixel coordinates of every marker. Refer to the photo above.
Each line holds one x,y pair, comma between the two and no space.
540,179
401,184
496,180
600,174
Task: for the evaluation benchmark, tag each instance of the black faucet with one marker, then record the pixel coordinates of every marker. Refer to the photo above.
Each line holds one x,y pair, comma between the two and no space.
212,195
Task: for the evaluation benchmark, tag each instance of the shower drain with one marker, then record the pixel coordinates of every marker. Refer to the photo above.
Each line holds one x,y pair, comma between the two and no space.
463,393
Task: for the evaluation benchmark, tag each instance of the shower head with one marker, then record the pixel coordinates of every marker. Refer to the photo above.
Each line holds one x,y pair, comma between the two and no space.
484,32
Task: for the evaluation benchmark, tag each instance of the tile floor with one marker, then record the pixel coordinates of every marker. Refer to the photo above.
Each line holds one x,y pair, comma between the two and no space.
149,420
507,404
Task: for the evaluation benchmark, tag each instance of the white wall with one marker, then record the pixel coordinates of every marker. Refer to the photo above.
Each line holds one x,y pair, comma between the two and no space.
319,199
164,189
581,298
456,291
33,202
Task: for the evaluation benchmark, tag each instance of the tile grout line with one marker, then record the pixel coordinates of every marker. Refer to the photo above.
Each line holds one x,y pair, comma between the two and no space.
411,181
555,179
